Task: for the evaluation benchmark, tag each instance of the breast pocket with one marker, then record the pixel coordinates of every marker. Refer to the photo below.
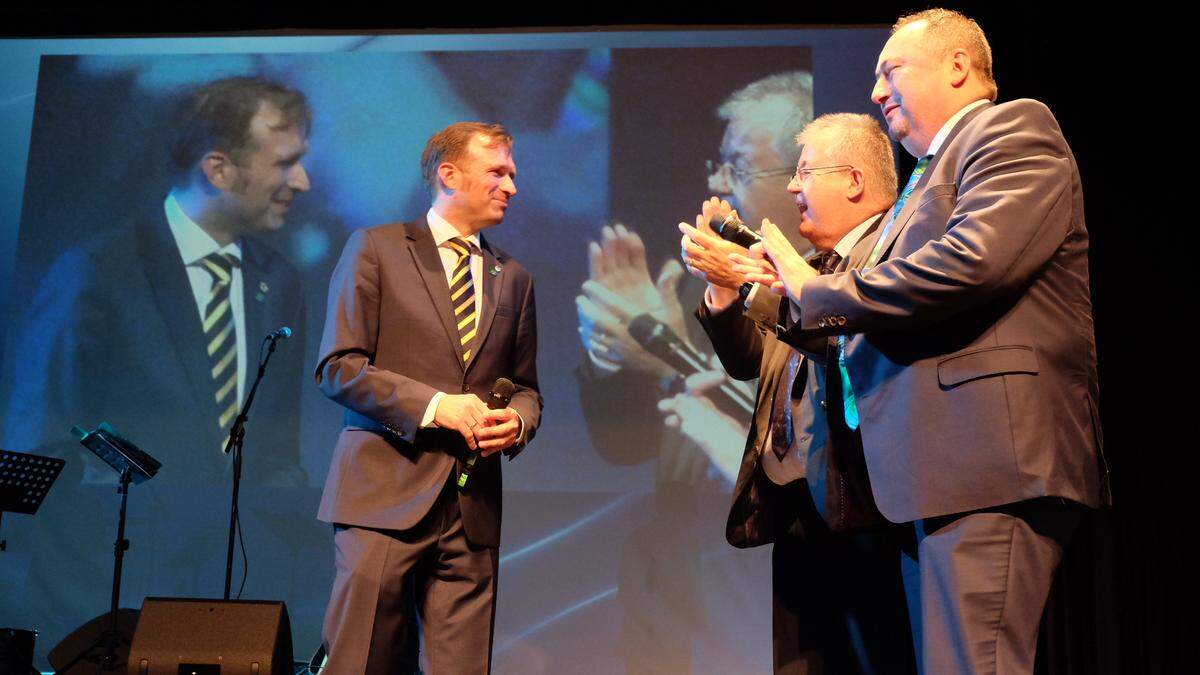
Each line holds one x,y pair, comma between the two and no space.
974,365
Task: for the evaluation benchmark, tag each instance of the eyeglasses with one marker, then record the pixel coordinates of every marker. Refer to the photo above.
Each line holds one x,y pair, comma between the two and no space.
801,174
742,175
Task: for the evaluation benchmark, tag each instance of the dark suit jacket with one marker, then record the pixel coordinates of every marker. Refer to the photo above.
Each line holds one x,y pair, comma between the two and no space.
113,334
762,511
972,354
389,345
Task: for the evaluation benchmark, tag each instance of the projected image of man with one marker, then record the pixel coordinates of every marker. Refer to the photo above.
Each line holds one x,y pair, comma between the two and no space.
153,325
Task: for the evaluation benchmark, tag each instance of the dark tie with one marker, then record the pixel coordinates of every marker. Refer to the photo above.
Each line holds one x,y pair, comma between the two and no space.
220,337
462,294
781,409
825,262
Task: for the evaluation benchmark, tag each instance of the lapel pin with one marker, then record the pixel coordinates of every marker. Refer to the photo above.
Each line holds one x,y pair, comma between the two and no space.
495,270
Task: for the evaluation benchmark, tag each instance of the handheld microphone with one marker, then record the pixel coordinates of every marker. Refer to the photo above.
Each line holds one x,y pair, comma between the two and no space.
733,230
281,333
657,338
498,399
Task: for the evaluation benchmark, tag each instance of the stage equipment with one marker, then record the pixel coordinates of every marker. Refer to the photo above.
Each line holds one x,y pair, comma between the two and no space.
237,434
134,467
211,637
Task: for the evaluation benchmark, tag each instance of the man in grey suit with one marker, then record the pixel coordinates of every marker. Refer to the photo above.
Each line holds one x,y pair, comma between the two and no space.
423,318
838,598
966,342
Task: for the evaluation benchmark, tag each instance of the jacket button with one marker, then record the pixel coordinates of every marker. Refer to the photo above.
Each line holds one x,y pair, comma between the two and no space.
823,406
821,322
841,320
466,388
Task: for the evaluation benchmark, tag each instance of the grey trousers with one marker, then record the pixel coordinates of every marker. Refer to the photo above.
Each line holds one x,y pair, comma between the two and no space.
389,582
977,584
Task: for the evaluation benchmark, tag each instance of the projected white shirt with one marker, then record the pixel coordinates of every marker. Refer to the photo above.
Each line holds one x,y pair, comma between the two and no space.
194,244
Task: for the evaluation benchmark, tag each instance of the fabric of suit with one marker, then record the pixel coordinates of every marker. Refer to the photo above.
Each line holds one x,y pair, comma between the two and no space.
971,350
112,333
838,602
390,343
972,359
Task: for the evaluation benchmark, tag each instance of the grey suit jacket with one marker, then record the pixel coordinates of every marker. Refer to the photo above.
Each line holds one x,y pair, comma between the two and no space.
972,353
390,343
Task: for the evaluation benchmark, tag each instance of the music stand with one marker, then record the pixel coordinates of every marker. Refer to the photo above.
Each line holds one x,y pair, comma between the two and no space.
24,481
134,466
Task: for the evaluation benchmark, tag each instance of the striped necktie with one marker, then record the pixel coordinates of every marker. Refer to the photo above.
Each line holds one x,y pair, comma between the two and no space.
220,338
849,405
462,294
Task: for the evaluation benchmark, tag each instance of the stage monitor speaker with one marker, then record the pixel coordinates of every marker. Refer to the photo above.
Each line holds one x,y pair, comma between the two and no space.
206,637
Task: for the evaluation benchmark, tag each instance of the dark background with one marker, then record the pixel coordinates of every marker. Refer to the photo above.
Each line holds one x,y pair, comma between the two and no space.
1119,88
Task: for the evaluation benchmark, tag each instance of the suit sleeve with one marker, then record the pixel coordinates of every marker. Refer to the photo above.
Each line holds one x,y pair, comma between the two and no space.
736,340
56,376
346,372
527,399
1012,212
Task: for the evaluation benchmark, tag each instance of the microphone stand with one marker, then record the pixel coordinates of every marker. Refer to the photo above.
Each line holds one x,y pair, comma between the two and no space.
237,434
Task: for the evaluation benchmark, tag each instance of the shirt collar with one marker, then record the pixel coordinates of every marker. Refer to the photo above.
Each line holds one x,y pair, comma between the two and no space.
936,143
193,242
851,238
443,231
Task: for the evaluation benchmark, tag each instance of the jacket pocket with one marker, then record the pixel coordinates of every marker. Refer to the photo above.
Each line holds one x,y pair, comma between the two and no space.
964,367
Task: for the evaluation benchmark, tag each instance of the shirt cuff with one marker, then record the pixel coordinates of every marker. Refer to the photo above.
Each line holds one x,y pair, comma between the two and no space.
431,410
712,306
602,365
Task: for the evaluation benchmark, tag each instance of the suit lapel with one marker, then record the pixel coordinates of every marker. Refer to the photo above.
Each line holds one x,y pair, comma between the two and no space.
493,287
433,274
256,296
173,294
862,248
914,199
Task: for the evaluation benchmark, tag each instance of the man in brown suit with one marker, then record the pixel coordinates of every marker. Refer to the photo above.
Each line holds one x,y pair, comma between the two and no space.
423,318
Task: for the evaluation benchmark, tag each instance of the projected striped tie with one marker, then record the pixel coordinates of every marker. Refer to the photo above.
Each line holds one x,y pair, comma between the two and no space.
220,338
462,295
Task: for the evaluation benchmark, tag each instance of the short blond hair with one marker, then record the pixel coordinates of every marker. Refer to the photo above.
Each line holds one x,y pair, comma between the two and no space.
947,29
857,140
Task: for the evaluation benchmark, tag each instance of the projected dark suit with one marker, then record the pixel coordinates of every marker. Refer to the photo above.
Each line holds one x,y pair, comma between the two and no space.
390,344
112,334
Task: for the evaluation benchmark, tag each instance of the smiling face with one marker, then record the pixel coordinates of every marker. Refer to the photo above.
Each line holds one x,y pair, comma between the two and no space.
480,185
914,88
824,198
268,177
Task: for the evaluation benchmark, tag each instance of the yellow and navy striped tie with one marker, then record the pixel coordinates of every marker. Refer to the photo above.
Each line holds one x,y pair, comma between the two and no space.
462,294
220,337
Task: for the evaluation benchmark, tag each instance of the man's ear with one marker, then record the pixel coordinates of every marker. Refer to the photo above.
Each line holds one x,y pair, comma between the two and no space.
856,185
960,67
449,176
219,170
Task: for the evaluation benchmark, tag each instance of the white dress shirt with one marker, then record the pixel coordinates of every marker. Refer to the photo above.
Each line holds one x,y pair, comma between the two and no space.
194,244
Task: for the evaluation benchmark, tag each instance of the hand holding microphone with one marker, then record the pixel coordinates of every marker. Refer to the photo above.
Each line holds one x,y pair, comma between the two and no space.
500,428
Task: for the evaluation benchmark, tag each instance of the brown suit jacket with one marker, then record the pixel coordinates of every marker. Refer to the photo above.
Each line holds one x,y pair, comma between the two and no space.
389,345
